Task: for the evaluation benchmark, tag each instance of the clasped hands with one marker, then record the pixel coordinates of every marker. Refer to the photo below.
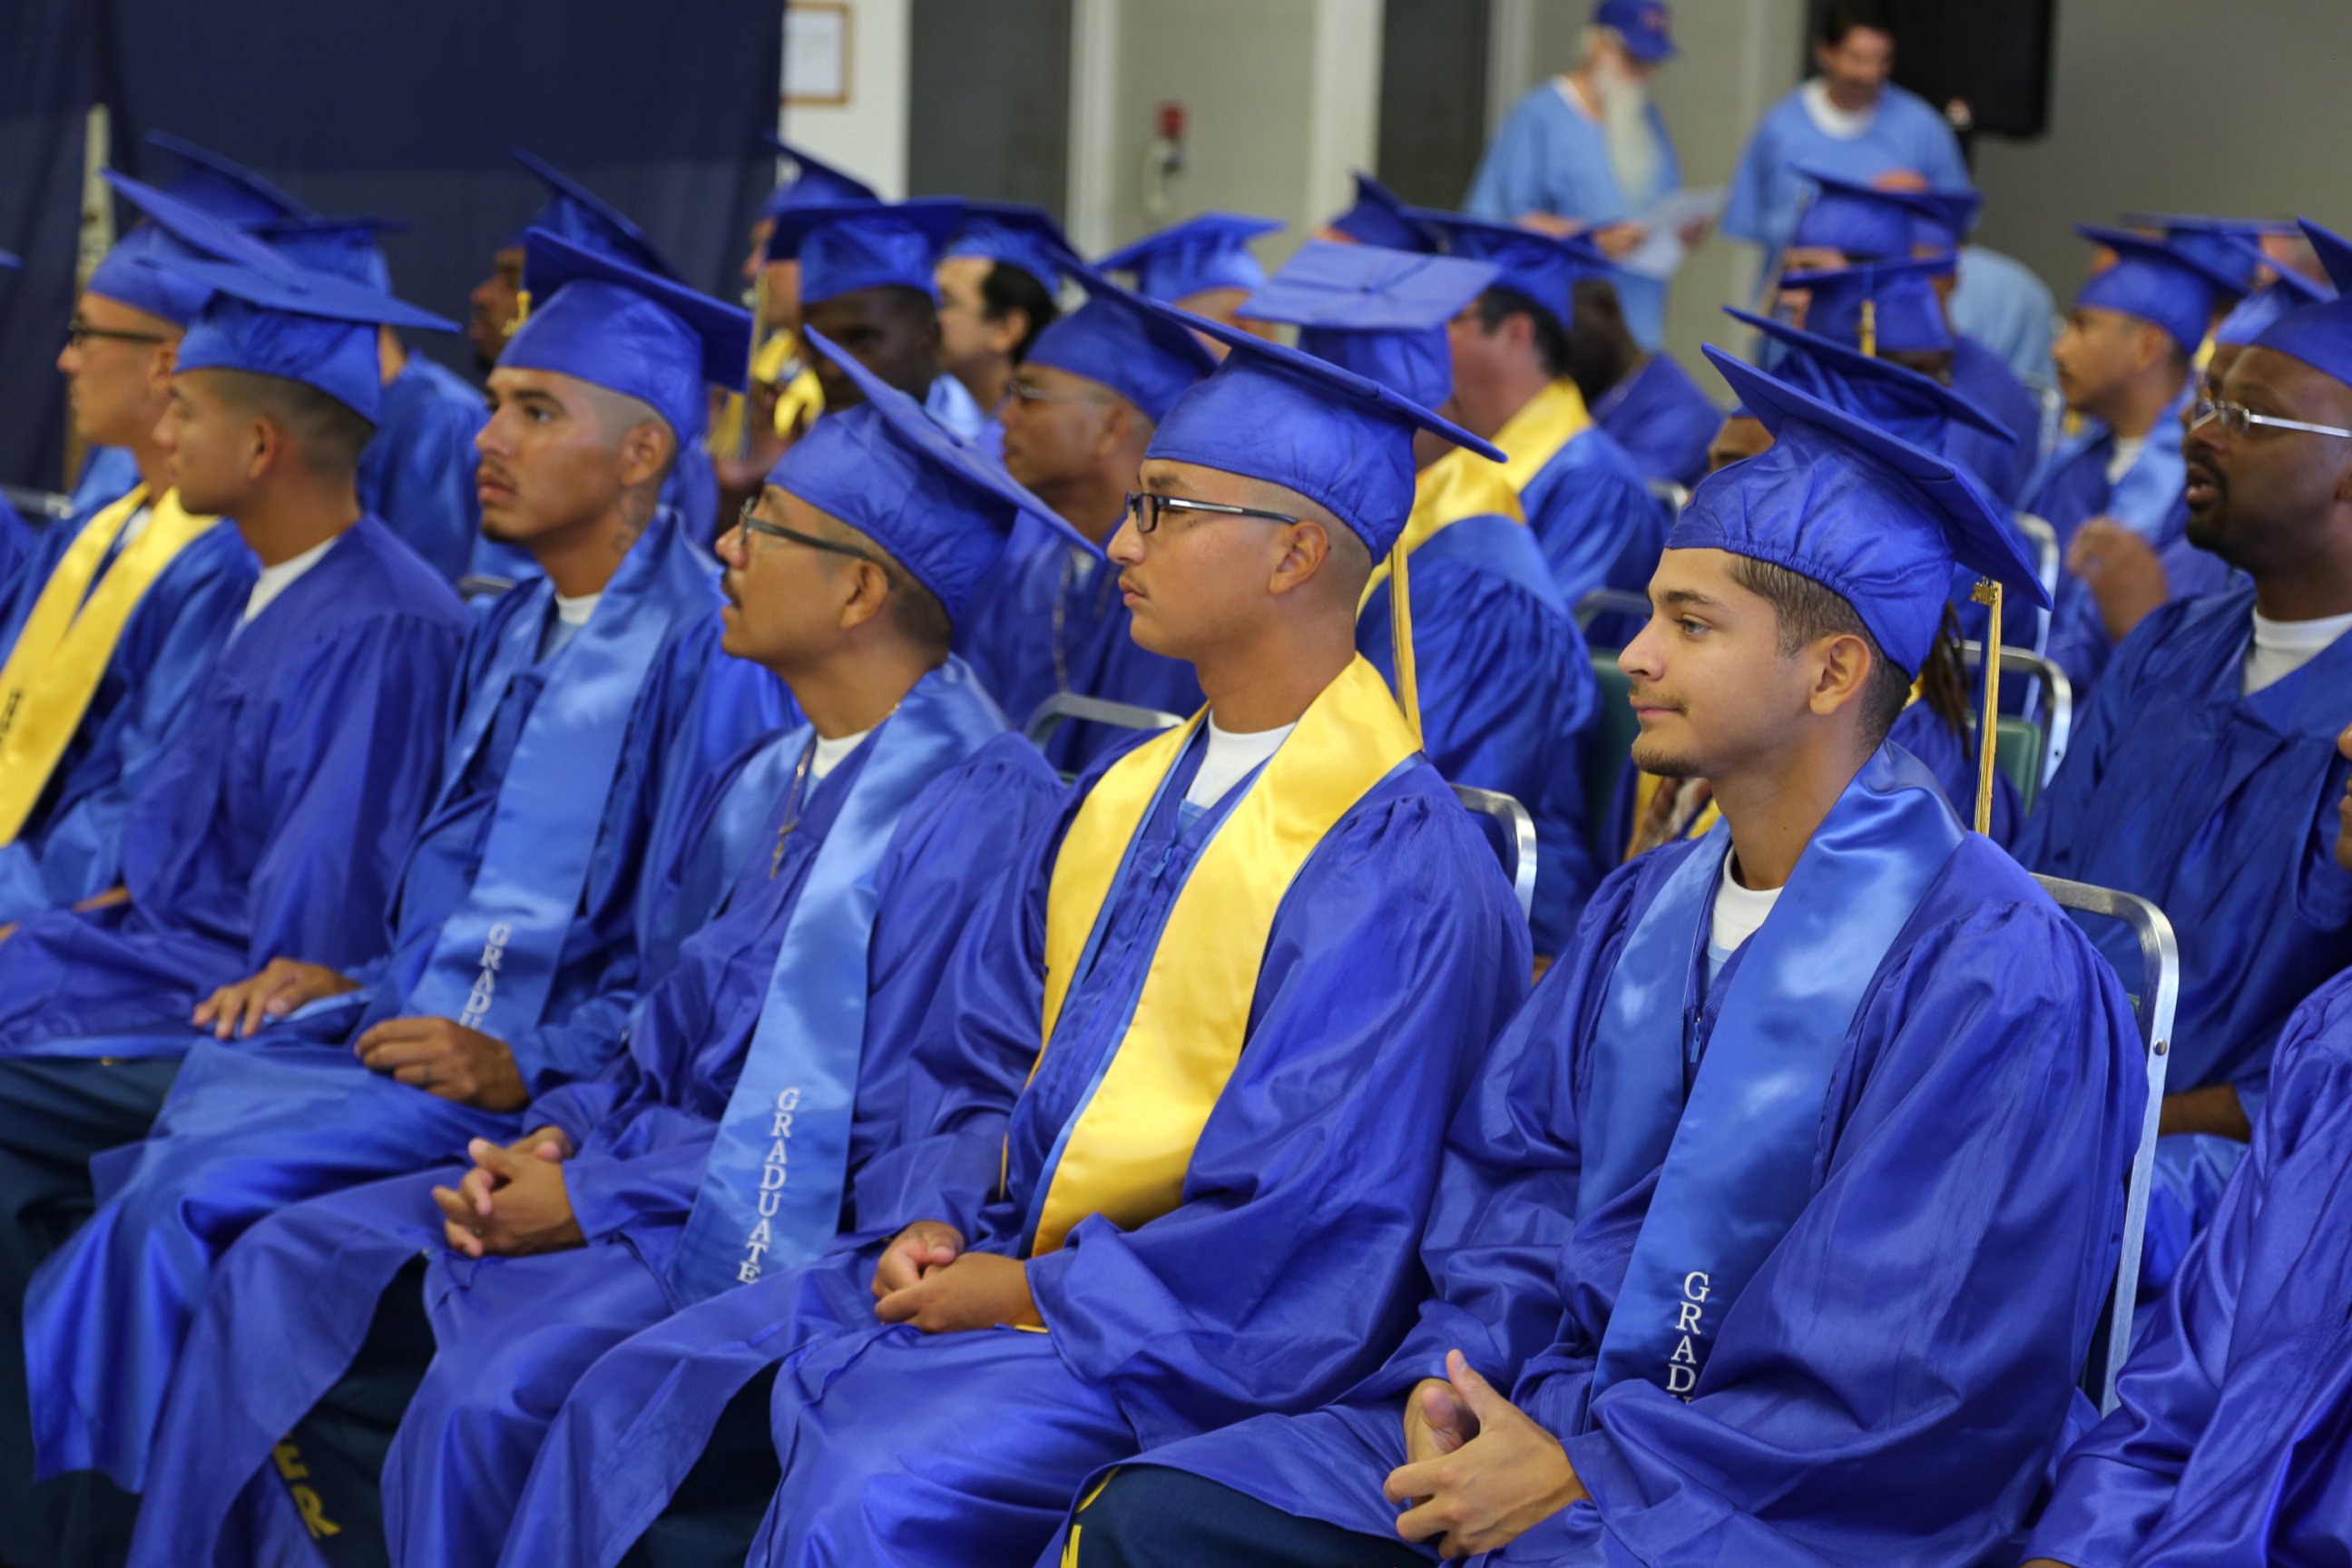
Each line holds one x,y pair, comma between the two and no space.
513,1201
1479,1471
928,1280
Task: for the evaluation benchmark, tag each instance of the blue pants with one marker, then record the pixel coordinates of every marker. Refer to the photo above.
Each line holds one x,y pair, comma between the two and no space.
1147,1517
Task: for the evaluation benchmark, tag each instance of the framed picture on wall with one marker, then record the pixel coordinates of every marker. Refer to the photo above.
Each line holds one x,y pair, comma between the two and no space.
816,51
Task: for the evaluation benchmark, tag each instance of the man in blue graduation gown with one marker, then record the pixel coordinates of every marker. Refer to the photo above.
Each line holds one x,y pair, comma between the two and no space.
1777,1227
532,905
1052,618
778,1046
1848,222
1499,676
1264,954
276,820
573,212
869,283
1589,505
118,614
1588,152
1849,120
1647,403
1000,283
2123,363
2204,775
418,473
1203,265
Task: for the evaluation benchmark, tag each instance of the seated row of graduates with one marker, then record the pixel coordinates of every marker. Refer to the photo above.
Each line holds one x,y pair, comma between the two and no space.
1164,1065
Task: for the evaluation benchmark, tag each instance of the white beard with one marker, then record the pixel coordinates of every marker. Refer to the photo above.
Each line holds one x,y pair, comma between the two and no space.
1634,152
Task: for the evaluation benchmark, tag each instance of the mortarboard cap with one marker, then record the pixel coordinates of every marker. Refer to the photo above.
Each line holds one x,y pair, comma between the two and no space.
942,509
308,327
1379,312
1541,268
1380,218
1918,408
1949,215
1859,220
1117,340
843,247
2155,282
175,228
1642,24
576,213
2287,290
1868,516
813,180
1274,414
221,186
2212,242
1210,251
2320,335
346,246
1904,315
1024,238
628,330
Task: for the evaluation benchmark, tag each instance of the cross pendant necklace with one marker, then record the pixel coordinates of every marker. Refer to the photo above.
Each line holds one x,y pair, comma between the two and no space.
792,810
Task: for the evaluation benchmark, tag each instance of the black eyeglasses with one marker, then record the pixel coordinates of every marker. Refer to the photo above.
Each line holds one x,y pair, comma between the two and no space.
746,521
80,332
1028,390
1147,510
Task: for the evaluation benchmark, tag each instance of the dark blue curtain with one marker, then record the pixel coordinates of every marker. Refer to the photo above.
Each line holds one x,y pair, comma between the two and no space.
401,108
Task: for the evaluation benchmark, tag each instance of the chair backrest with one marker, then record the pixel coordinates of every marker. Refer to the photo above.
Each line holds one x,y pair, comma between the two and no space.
1675,496
2153,1000
1608,749
2044,539
2029,749
1507,824
38,506
479,585
1599,602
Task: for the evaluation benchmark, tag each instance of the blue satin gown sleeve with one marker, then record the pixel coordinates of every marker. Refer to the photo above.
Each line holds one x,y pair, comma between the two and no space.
1854,1409
1595,515
417,475
1216,1310
75,850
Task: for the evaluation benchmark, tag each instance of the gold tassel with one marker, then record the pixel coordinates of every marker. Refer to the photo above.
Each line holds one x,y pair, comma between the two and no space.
1870,327
1401,629
1988,592
522,311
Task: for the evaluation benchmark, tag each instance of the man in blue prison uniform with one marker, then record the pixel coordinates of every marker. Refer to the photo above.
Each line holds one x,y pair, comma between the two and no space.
533,904
1052,619
277,819
2204,775
119,613
884,823
1503,683
1259,954
1800,1269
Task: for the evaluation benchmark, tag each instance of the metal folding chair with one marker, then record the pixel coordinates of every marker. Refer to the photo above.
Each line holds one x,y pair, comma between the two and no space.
2029,747
1675,496
1599,602
476,585
38,506
2153,1003
2044,541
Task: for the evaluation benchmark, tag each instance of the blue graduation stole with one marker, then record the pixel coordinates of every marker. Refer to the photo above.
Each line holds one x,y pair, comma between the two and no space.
495,959
774,1184
1738,1156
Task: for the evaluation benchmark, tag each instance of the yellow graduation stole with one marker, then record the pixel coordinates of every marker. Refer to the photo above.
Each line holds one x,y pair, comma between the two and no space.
1458,485
1126,1155
1533,435
50,679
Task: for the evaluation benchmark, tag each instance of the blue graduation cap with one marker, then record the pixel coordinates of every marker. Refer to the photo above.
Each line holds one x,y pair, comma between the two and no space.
1021,237
346,246
309,327
1879,307
2320,335
1541,268
1642,24
1210,251
1288,418
943,510
579,215
1949,215
1381,216
1867,515
2287,290
175,228
221,186
1859,220
2155,282
843,247
1381,313
1894,397
2213,242
606,322
813,180
1117,340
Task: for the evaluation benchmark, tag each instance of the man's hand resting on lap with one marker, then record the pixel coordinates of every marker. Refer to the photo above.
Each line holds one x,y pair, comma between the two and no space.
446,1058
1478,1471
513,1201
242,1007
928,1280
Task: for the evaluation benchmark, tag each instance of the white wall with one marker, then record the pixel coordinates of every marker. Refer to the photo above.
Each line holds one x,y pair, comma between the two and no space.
867,136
